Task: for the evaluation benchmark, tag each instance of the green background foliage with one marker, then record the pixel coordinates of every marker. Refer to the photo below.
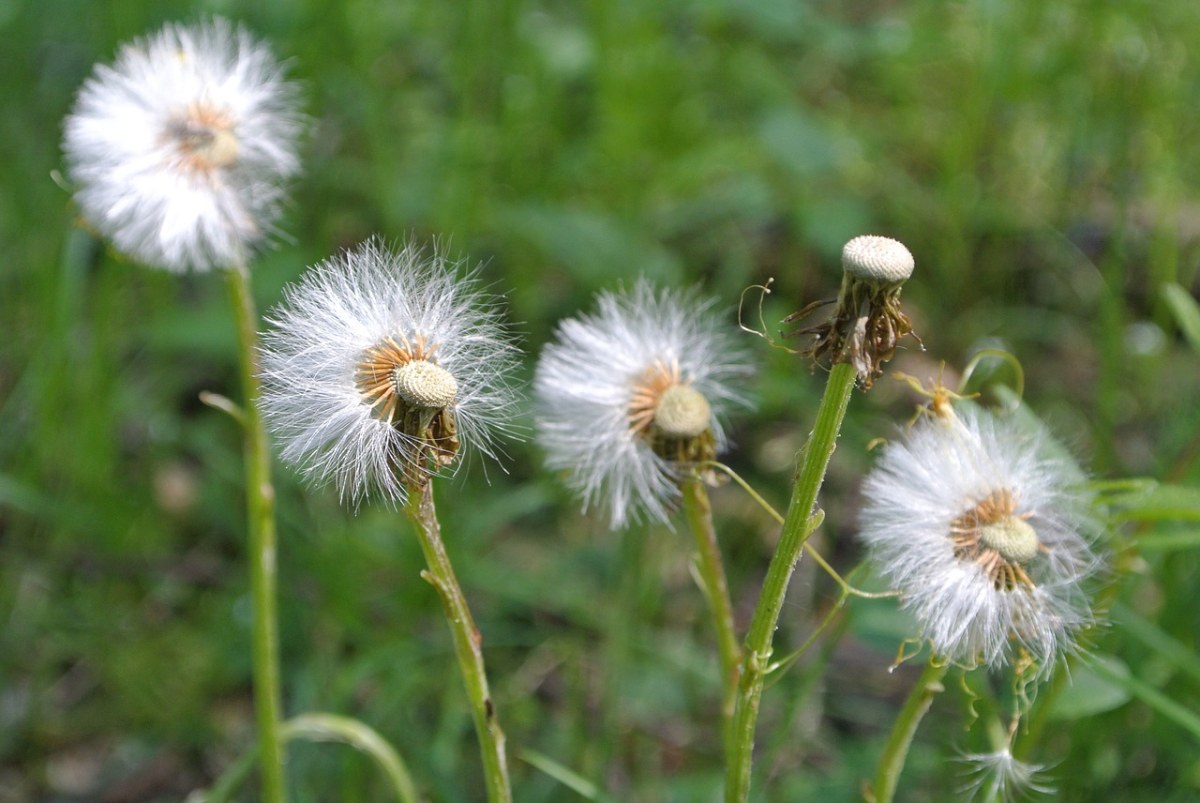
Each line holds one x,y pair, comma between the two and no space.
1039,160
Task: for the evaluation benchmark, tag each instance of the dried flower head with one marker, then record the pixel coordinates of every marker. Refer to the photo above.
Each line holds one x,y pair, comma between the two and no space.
380,365
984,528
631,397
867,322
180,149
998,776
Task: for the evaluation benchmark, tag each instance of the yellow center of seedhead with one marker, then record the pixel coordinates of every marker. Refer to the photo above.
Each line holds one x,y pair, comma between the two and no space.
994,536
204,138
671,416
424,385
682,412
400,380
1013,539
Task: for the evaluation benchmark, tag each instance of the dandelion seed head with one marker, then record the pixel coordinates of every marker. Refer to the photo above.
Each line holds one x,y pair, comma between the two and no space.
630,397
682,412
380,365
984,527
1014,541
181,148
876,258
422,384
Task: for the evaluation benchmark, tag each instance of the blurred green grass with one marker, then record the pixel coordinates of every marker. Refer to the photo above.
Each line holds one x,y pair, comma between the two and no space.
1038,159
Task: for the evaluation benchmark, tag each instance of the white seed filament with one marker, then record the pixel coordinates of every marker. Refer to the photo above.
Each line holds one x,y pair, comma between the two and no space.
682,412
421,384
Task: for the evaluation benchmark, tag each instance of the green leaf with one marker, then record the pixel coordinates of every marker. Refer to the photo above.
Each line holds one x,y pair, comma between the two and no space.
1151,635
1169,542
1092,690
1161,703
1186,311
1153,502
568,778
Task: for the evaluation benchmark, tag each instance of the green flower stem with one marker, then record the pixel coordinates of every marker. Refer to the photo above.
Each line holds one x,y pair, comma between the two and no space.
712,572
798,525
260,512
467,639
891,763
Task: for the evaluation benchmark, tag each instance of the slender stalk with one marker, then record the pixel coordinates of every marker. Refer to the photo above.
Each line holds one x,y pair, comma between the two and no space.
798,525
468,641
712,572
847,589
260,514
891,763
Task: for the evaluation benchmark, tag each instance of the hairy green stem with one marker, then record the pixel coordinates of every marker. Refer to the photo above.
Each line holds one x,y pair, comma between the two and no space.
891,763
798,525
468,641
260,514
712,572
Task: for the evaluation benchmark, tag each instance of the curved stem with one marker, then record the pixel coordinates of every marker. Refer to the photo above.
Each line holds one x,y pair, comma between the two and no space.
712,572
826,621
891,763
260,514
847,589
468,641
318,727
797,527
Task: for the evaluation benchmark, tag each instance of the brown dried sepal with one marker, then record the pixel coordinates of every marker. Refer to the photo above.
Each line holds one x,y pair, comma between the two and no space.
686,453
864,329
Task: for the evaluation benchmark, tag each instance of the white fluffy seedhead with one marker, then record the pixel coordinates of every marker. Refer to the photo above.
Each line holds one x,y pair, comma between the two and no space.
180,150
986,532
647,366
368,335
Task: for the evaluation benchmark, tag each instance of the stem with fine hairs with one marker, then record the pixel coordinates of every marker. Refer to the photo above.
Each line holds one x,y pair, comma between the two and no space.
698,511
260,516
468,642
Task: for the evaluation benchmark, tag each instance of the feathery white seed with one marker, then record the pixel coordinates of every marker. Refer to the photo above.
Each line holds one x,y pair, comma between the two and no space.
999,776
